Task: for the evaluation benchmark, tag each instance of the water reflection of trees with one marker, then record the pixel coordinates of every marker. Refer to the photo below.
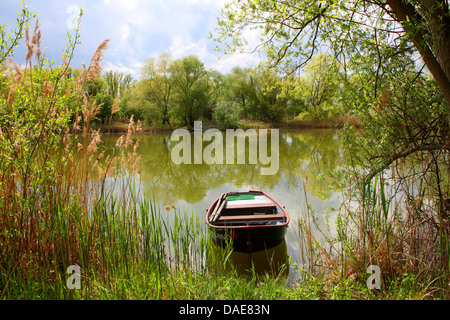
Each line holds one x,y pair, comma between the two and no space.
311,153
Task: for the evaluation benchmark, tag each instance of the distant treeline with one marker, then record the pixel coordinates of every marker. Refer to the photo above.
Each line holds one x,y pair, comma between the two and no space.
178,92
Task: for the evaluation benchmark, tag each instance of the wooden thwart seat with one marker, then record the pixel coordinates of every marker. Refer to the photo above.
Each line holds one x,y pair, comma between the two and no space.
248,204
251,217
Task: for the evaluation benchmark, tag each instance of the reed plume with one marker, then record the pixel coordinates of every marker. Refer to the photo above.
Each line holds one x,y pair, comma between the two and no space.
18,72
95,68
10,98
119,143
30,46
16,78
130,131
92,148
36,40
139,126
33,43
115,106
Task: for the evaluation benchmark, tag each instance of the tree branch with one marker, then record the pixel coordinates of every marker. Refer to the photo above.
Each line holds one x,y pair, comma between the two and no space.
405,153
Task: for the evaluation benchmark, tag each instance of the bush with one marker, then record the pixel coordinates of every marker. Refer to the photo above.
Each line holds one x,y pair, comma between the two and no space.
133,105
227,114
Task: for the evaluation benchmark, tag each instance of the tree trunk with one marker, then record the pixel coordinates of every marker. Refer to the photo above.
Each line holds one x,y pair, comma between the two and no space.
437,62
165,118
437,16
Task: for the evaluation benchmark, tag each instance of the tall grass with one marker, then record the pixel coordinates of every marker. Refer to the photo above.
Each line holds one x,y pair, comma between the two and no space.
396,224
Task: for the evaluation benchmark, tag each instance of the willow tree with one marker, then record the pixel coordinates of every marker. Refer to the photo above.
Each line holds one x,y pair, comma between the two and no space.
319,85
157,84
293,31
192,89
116,82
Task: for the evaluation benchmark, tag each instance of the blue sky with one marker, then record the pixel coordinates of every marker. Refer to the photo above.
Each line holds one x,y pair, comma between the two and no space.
138,29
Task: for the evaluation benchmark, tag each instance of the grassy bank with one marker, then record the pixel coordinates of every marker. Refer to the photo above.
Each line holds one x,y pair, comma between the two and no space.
337,121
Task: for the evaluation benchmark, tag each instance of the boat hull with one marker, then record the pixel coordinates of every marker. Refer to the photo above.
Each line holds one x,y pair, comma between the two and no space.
254,235
249,239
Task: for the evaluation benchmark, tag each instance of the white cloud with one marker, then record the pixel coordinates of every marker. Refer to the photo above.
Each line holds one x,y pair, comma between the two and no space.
181,47
132,68
123,4
252,37
129,4
247,56
125,32
229,61
215,3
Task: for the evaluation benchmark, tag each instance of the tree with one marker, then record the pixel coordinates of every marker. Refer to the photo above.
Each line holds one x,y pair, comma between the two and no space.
192,85
426,23
240,87
266,99
181,90
158,82
132,104
319,85
117,82
106,102
215,91
293,31
227,114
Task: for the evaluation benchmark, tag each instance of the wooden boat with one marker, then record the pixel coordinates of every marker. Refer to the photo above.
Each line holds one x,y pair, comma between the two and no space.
251,221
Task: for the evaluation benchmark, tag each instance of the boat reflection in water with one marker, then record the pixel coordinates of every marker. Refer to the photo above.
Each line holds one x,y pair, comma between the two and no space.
273,261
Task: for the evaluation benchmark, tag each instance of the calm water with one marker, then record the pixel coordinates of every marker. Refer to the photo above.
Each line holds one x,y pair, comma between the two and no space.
302,153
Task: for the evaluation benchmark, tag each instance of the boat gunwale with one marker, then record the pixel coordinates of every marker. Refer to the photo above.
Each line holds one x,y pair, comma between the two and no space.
248,226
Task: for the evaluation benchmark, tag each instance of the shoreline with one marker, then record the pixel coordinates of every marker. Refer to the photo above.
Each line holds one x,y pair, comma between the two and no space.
336,122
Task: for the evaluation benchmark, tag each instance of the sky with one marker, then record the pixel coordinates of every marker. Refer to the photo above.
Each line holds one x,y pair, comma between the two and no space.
138,30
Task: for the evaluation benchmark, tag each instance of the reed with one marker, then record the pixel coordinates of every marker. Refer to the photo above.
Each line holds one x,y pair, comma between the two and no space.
392,223
56,207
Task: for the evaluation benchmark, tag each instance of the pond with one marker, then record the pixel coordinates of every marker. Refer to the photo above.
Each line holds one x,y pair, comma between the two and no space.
307,154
